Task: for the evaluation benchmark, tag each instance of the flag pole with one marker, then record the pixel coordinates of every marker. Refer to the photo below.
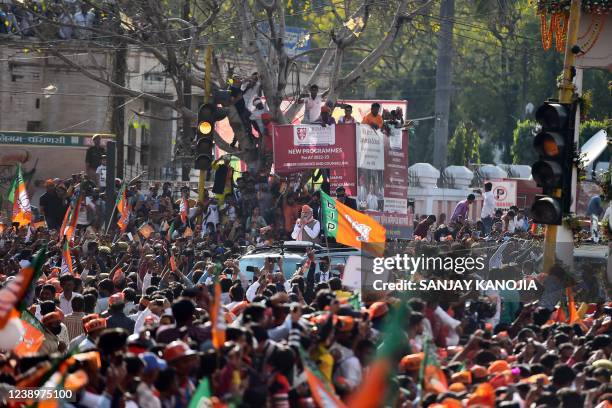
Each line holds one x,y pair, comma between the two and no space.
112,216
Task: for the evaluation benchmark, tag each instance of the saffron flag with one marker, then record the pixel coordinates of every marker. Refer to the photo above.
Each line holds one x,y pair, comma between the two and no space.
184,209
146,230
70,219
33,337
123,208
322,394
431,376
188,233
217,319
352,228
374,390
172,263
22,211
15,291
62,229
66,268
571,305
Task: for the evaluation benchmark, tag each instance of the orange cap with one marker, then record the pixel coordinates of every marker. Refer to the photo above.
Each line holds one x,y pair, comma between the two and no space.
116,298
483,396
478,372
378,309
177,349
464,377
346,323
534,379
451,403
457,387
412,362
239,308
51,318
89,318
306,208
95,325
498,367
499,380
76,380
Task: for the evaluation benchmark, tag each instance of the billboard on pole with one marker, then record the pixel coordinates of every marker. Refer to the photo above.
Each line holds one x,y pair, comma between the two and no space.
304,147
382,178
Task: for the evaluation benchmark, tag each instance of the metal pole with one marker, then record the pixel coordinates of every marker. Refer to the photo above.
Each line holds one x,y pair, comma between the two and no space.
207,99
111,165
566,93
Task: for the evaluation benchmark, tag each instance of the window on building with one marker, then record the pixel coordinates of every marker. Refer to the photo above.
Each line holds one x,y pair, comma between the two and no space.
144,146
33,126
131,147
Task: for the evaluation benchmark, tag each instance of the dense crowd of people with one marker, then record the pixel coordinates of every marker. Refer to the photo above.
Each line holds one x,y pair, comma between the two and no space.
145,299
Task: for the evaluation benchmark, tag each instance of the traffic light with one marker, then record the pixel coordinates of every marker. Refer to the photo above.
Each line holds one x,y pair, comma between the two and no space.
554,145
208,115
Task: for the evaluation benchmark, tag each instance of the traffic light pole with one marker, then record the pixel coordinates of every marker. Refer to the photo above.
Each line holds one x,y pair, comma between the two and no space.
566,93
207,94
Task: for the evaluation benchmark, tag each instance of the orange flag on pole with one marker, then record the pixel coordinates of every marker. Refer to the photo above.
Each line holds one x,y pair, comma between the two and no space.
33,337
123,208
351,227
70,219
22,211
66,268
371,393
184,209
146,230
322,395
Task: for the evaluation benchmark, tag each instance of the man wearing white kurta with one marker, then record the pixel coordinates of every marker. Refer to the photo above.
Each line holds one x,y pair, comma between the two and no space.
306,227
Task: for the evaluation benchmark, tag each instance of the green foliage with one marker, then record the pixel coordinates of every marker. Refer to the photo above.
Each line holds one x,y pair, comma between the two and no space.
522,148
499,67
606,185
522,138
464,146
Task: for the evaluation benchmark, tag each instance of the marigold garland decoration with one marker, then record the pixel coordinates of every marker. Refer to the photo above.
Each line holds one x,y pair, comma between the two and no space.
559,12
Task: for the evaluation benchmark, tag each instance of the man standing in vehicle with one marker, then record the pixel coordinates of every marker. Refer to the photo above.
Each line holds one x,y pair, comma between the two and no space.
307,228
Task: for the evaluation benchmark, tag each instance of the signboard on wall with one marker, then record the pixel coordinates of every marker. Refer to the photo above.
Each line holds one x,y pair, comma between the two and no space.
504,193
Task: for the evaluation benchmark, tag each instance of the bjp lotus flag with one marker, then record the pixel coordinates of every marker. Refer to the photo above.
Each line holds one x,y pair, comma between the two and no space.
66,267
352,228
146,230
22,212
184,209
33,337
321,393
123,208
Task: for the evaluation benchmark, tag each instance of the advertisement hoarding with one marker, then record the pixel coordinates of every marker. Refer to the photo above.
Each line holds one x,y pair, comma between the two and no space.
304,147
382,180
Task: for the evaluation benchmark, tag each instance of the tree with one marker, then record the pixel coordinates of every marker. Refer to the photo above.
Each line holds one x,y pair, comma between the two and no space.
444,70
175,38
522,142
524,132
464,146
